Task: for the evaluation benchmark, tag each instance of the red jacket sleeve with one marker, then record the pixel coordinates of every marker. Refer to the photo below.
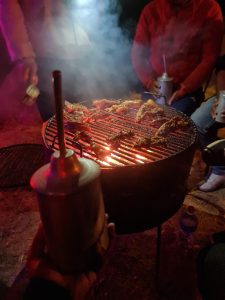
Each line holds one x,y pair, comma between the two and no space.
212,41
141,49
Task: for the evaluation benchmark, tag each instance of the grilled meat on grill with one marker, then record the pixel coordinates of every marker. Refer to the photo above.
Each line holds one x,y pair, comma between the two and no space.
158,122
115,139
148,110
76,112
82,135
175,123
151,141
118,109
104,103
124,107
75,107
99,152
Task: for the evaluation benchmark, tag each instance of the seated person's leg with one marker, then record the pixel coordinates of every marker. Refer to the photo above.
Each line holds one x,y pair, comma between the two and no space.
207,131
190,102
206,125
187,105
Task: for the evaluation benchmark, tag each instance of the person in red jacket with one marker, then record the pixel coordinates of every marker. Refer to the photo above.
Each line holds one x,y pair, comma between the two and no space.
184,37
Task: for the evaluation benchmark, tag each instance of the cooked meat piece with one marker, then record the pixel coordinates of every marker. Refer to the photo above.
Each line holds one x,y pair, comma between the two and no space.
75,107
76,112
99,151
132,103
115,139
77,116
85,137
180,122
99,115
112,109
174,124
82,135
117,108
124,106
76,136
151,141
104,103
159,141
157,111
158,122
148,110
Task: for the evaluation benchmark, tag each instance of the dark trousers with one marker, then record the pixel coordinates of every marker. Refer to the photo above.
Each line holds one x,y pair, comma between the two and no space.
70,81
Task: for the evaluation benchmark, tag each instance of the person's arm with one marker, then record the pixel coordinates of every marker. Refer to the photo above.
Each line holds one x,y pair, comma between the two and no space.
212,41
141,51
13,28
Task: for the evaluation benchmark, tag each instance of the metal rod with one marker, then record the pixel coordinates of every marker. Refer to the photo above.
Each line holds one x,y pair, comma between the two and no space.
57,85
158,249
164,62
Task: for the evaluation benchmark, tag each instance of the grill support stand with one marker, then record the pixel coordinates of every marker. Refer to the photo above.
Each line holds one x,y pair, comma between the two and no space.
158,249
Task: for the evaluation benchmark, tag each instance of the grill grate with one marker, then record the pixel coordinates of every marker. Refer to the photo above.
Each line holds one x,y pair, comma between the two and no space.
125,154
19,162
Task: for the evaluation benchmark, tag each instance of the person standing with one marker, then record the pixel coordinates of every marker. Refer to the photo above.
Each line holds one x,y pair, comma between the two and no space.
42,36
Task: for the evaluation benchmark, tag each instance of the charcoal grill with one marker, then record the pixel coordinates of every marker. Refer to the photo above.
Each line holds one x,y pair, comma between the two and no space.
142,187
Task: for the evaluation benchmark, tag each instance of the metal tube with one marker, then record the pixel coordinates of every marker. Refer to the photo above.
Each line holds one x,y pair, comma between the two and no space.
57,85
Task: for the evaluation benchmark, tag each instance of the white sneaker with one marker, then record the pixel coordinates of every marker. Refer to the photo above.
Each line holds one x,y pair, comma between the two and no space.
214,182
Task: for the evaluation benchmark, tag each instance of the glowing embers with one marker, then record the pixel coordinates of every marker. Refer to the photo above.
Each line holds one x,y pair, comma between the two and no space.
141,159
113,161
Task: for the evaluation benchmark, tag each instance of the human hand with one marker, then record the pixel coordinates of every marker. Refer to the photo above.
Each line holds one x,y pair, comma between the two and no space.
39,265
214,112
177,95
214,108
29,70
153,86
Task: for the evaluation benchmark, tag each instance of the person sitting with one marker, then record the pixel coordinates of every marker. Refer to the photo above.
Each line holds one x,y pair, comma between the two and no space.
182,38
204,118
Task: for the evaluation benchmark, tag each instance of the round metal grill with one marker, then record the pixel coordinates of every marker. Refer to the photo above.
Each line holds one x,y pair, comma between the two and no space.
125,154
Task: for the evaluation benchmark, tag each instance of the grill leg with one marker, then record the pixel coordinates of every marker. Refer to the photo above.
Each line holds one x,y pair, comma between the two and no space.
158,248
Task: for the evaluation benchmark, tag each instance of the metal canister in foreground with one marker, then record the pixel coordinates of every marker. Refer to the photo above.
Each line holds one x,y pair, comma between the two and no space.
221,106
72,210
70,203
165,87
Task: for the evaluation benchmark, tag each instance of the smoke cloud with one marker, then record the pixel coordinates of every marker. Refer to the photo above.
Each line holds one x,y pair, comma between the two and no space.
104,68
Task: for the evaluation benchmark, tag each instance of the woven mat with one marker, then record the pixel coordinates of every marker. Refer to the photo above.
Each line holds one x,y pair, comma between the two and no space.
18,163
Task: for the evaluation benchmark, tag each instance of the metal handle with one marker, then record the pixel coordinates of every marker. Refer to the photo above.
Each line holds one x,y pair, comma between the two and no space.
57,85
